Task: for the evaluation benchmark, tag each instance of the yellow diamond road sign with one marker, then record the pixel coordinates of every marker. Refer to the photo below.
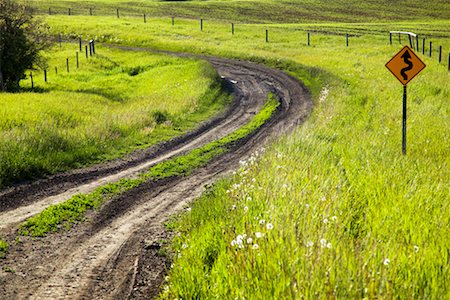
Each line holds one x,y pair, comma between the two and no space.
405,65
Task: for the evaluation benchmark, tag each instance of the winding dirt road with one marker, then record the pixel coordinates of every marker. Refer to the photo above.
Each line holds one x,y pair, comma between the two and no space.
114,254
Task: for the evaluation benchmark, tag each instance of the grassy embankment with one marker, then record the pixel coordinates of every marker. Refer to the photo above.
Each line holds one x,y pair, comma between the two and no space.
116,102
252,11
350,217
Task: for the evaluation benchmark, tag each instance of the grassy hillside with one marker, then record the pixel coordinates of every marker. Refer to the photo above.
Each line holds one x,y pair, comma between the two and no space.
272,11
116,102
334,210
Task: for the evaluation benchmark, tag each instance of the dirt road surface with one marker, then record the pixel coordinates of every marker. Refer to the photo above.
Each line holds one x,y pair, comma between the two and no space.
115,253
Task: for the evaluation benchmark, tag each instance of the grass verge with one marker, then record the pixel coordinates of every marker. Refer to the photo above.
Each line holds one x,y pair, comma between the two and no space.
63,215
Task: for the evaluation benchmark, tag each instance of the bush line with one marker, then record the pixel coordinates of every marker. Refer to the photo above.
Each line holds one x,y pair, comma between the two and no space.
65,214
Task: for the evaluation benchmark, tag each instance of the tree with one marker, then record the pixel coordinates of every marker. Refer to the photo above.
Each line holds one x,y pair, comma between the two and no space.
22,38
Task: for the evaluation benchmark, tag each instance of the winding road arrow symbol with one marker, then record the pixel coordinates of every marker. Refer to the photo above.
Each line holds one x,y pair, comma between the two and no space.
406,58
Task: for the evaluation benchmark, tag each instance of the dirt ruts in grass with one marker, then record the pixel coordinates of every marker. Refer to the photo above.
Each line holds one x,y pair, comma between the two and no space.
116,253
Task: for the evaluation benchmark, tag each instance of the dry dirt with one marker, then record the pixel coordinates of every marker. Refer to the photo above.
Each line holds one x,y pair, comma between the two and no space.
116,252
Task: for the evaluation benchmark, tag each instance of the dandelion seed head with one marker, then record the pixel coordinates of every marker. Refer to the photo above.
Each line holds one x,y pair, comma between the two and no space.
258,235
262,222
269,226
386,261
255,246
249,240
334,218
325,221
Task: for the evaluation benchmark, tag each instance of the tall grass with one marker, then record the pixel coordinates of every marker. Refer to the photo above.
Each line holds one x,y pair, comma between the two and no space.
100,111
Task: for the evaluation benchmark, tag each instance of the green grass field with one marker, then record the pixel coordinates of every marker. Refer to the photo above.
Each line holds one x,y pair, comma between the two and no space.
116,102
333,210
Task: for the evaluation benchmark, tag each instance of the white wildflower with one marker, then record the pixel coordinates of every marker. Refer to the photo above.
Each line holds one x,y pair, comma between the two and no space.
386,261
262,222
323,243
245,208
309,244
269,226
233,207
255,246
325,221
416,248
334,218
258,235
249,240
184,246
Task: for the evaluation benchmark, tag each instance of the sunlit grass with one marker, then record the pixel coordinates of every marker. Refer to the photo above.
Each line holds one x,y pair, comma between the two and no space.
100,111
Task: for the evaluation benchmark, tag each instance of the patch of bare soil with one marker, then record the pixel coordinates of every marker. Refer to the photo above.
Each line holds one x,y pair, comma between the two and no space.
116,253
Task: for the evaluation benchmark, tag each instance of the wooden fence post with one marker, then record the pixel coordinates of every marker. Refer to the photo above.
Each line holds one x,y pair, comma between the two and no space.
45,75
410,41
267,35
78,64
90,11
32,82
201,24
423,46
80,42
399,38
440,54
56,70
449,61
59,39
86,48
145,18
93,47
431,46
67,64
232,28
49,11
69,11
117,13
346,39
309,39
173,21
417,42
390,38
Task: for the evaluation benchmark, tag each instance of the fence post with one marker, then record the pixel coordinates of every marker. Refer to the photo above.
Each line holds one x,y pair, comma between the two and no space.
309,39
80,42
390,38
86,48
93,47
399,38
201,24
69,11
267,35
45,75
232,28
90,11
410,41
59,39
117,13
440,54
423,46
417,42
67,64
449,61
78,65
56,70
431,46
346,39
145,18
90,48
32,82
173,21
49,11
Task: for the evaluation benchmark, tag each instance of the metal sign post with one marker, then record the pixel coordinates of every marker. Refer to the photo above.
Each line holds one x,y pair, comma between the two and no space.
405,65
